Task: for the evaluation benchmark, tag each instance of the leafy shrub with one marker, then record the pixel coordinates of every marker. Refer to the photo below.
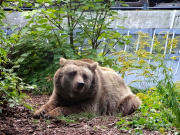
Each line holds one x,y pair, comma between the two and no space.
151,115
161,104
10,84
72,30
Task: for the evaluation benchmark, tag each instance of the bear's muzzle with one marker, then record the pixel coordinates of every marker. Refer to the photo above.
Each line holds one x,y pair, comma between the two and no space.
80,85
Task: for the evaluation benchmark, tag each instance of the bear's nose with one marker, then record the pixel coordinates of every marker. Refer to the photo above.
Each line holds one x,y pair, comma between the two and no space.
80,85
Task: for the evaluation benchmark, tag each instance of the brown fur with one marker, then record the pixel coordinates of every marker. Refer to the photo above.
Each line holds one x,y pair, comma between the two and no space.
104,91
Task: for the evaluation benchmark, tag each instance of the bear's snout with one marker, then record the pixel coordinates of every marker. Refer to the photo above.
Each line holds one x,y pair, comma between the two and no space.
80,85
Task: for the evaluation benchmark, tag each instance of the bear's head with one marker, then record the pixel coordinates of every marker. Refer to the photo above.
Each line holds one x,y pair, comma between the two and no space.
75,79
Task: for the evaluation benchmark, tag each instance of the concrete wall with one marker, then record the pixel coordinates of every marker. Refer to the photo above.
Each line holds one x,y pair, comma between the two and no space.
15,18
148,19
130,19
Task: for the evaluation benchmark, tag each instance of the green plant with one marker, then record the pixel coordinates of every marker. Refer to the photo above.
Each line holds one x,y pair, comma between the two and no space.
67,119
74,118
149,116
82,116
161,104
10,84
71,29
170,96
138,131
35,121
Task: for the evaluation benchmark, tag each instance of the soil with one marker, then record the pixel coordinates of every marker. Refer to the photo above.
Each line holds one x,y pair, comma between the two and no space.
19,120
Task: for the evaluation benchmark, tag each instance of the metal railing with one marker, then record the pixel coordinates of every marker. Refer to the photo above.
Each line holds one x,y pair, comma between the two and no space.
173,64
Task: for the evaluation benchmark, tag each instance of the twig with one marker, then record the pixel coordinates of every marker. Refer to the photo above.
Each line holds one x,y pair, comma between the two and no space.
114,44
98,32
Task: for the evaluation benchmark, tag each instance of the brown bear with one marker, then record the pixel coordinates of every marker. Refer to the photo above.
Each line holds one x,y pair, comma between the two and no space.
82,86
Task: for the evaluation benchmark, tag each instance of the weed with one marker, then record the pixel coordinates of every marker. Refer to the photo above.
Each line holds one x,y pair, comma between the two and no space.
48,122
67,119
73,118
35,121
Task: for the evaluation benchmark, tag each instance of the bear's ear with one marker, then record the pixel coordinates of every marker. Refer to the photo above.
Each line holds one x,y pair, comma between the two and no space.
93,66
62,61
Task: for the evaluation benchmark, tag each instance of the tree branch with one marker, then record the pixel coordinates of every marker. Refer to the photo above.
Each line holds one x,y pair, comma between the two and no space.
99,31
114,44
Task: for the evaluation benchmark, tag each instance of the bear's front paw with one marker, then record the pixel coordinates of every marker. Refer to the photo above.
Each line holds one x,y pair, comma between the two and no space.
39,114
53,114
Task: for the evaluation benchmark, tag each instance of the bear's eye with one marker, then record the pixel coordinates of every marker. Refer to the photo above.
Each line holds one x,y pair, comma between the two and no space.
85,76
72,73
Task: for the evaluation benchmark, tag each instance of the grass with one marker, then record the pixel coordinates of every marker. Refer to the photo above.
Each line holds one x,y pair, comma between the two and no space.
150,116
74,118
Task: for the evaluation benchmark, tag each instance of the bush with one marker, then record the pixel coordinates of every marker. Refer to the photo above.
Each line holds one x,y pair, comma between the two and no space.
10,84
161,104
72,30
152,115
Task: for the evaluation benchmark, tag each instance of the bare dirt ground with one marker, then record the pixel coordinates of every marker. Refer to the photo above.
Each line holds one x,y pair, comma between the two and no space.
19,121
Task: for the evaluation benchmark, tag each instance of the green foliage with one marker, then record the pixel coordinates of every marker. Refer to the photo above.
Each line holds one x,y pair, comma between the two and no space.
141,62
71,29
10,84
74,118
161,104
66,119
170,95
2,16
151,115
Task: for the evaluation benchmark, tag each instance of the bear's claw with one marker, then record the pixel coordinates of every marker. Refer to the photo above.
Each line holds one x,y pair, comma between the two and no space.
44,112
40,115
